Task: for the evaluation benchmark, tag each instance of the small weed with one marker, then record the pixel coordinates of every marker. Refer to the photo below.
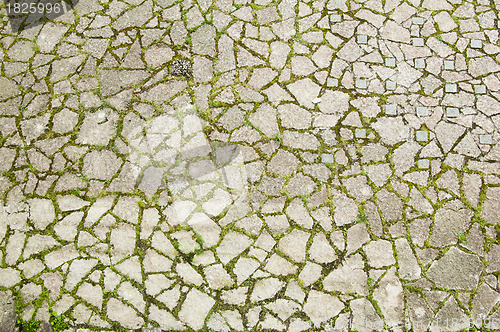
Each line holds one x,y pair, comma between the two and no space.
199,239
370,283
57,322
361,218
31,325
462,238
279,138
206,115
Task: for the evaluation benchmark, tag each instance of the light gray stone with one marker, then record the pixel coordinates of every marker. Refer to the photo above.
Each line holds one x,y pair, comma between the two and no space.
125,315
348,277
101,165
294,245
379,253
321,307
456,270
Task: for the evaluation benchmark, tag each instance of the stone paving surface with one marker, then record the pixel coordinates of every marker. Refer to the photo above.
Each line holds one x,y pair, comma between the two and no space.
221,165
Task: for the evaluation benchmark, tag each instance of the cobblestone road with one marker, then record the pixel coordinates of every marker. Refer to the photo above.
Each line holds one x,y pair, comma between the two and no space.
269,165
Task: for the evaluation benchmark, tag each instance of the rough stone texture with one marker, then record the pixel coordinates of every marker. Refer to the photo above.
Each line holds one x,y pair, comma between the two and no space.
389,296
348,278
101,165
123,314
379,253
165,164
456,270
8,317
195,308
320,307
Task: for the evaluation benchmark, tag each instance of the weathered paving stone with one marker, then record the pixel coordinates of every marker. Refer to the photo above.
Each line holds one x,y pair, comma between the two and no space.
456,270
479,89
419,42
379,253
332,82
422,136
485,139
449,64
419,63
476,43
423,163
452,112
390,287
391,110
360,133
324,165
422,111
8,318
327,158
390,62
348,278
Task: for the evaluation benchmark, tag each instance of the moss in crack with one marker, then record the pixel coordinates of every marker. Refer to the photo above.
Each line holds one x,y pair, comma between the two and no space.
57,322
497,229
361,216
31,325
462,238
279,138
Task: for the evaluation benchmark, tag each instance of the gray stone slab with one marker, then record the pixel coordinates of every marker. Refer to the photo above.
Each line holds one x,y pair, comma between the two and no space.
456,270
8,317
332,82
360,133
391,110
390,62
419,42
334,18
423,163
422,111
479,89
422,136
418,20
476,43
486,139
452,112
451,87
361,83
327,158
419,63
449,64
390,85
362,39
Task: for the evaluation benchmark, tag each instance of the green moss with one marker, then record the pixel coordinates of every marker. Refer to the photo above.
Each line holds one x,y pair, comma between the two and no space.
462,238
58,322
31,325
278,137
